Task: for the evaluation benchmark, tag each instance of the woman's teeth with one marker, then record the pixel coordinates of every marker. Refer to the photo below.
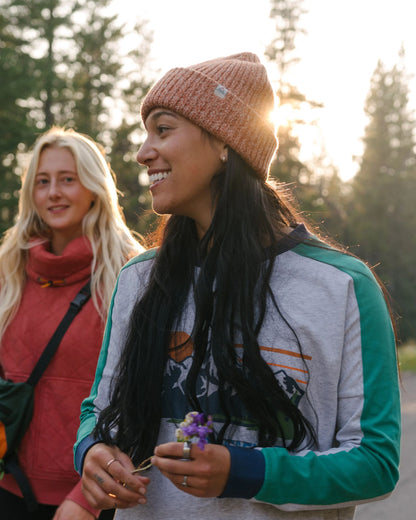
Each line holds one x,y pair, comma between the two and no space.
154,177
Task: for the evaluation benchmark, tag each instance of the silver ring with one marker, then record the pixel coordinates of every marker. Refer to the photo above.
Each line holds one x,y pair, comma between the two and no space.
185,481
186,450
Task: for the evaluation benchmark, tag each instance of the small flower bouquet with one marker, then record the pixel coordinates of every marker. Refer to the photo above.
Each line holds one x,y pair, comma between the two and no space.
195,428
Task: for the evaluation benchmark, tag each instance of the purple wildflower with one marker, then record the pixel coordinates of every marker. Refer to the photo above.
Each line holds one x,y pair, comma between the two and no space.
195,428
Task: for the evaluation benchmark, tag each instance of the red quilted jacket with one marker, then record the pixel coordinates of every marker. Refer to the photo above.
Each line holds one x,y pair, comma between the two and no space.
46,450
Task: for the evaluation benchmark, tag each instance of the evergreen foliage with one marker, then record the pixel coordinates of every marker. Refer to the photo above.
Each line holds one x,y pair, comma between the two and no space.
65,64
310,189
382,216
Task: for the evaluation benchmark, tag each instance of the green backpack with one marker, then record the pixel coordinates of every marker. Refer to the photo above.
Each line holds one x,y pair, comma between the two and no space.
16,403
16,410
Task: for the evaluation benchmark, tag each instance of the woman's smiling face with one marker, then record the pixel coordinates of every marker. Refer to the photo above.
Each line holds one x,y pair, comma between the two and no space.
60,199
181,160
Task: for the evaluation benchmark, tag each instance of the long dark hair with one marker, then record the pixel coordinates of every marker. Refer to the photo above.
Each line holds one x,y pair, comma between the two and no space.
232,287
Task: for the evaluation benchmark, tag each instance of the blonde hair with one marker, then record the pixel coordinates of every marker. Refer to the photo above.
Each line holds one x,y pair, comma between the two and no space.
111,240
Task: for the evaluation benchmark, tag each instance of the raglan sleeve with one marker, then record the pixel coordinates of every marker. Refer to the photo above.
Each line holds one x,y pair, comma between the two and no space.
362,465
125,294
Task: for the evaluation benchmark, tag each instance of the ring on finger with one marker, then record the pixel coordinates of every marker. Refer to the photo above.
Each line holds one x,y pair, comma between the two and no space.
110,462
186,454
185,481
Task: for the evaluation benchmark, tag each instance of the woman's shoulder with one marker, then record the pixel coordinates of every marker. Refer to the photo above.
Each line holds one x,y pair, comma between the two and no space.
312,249
316,249
133,278
137,268
334,259
146,256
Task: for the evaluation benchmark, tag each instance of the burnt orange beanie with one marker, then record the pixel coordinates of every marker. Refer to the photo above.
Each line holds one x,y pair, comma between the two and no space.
229,97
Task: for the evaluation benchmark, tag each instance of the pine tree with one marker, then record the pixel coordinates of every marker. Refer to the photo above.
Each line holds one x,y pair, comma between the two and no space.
382,216
41,28
309,182
80,77
286,15
16,123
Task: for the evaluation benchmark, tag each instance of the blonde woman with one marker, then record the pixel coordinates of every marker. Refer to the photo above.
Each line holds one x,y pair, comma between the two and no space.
69,228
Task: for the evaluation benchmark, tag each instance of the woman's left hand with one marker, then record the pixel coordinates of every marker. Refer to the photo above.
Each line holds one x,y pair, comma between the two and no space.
69,510
205,474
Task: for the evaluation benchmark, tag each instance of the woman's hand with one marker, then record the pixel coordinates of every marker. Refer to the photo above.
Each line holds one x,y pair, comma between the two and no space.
205,474
107,481
69,510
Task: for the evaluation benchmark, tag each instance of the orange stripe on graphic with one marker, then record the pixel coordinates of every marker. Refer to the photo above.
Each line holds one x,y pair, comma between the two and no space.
290,368
181,347
287,352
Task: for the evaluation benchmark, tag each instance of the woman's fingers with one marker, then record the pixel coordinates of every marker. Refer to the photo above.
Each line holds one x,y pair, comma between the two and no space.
107,480
107,491
176,450
205,474
124,475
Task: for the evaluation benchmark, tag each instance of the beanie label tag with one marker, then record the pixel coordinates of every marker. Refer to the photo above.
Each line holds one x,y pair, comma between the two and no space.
220,91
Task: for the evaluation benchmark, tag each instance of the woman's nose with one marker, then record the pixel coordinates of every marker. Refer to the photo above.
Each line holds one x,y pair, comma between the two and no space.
146,153
54,189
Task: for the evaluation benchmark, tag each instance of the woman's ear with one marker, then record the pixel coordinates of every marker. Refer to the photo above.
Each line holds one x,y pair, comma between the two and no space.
224,153
94,198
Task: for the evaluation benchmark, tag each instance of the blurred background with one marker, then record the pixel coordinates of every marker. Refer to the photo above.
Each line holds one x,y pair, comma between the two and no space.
342,73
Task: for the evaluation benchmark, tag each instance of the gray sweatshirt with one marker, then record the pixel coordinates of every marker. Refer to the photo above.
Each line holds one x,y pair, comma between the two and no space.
331,346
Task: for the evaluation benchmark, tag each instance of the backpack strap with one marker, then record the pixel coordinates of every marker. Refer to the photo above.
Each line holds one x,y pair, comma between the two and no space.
75,306
12,467
11,463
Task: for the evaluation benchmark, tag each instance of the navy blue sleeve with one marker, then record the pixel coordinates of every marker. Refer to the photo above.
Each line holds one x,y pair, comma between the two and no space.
246,473
81,451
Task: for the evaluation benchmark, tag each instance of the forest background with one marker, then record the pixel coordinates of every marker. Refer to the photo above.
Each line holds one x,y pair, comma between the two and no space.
75,63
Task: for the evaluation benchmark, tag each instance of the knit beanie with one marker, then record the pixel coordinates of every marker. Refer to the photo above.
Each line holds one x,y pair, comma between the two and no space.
229,97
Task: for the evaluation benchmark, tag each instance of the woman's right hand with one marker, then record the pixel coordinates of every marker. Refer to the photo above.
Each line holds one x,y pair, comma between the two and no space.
107,481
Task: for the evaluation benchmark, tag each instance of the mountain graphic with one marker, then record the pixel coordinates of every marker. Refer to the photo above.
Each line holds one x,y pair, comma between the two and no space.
173,395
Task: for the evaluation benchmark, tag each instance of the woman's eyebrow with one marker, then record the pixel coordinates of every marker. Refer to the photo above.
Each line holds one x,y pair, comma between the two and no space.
159,113
59,172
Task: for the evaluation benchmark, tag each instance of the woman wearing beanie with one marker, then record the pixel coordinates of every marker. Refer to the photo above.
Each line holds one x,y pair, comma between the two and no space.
70,229
282,345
